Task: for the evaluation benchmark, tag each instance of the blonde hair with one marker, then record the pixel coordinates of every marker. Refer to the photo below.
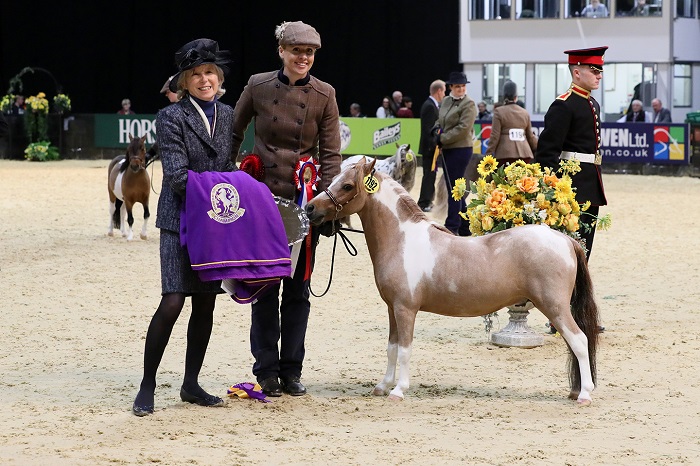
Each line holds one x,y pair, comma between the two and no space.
185,75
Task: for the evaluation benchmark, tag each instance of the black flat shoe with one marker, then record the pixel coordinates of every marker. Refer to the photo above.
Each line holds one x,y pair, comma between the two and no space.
271,387
141,411
293,386
207,400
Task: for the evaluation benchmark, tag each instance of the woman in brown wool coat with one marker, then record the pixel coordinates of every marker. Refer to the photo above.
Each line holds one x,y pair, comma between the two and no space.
296,125
511,130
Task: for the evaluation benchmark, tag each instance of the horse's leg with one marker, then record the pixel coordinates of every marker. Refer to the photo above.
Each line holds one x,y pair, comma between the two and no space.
405,323
130,219
392,352
578,343
112,209
122,219
146,215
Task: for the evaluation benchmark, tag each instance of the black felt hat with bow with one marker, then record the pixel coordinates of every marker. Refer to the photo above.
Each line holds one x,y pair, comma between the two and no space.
199,52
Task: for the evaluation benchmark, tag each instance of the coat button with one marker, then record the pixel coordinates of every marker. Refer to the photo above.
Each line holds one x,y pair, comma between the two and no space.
299,122
277,85
275,101
306,91
302,105
274,149
296,137
274,118
275,181
296,150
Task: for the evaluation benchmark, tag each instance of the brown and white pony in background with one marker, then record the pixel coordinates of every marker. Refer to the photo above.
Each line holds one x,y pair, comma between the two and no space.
128,183
420,266
401,166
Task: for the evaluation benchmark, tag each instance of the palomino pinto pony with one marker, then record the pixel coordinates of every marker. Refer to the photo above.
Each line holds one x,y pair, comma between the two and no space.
128,183
420,266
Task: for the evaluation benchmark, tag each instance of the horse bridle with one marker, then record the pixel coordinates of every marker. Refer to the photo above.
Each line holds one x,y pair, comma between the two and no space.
338,205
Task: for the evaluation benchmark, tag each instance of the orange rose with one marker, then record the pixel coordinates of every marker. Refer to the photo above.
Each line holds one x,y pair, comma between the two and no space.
497,197
551,180
528,184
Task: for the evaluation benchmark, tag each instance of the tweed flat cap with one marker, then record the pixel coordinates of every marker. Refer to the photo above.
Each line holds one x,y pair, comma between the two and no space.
297,33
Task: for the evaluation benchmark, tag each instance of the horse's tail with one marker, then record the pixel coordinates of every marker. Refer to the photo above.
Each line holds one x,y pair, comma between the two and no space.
116,216
585,312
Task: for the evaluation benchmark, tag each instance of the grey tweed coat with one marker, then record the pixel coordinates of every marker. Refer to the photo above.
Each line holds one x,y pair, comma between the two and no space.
185,144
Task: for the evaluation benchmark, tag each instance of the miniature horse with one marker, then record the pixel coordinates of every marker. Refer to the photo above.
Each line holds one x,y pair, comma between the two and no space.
420,266
401,166
128,183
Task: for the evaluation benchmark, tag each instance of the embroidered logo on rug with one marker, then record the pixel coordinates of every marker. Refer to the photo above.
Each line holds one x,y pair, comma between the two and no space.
225,204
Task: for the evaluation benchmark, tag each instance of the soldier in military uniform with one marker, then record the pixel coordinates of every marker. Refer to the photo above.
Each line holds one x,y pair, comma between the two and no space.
572,132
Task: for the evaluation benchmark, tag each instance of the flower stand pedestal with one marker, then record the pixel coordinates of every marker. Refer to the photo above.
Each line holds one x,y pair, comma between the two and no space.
517,333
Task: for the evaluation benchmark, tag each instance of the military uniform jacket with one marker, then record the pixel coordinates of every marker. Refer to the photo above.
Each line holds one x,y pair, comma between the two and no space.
185,144
572,124
291,122
511,133
456,118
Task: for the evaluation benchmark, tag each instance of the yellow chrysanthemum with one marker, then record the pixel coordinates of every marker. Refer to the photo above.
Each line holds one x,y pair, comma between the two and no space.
585,206
569,167
487,165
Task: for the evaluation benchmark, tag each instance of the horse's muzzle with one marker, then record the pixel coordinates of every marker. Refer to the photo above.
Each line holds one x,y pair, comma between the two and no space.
315,217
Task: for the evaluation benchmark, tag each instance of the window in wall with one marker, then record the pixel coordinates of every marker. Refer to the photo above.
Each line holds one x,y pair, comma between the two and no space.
536,9
495,75
684,9
639,7
682,85
587,8
624,82
551,80
489,9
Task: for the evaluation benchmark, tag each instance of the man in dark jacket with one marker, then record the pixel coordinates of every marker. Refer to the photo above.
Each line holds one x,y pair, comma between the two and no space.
428,117
661,114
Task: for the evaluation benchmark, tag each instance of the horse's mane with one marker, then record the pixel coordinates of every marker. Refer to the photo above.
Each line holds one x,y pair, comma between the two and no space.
405,204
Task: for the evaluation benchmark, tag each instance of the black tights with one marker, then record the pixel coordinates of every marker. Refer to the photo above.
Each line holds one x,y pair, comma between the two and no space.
198,333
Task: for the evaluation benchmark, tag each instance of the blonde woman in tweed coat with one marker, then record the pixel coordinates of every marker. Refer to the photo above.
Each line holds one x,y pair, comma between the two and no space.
296,117
193,134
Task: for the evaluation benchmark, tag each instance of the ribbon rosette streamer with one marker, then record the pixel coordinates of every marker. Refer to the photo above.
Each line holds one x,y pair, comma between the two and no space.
306,176
247,390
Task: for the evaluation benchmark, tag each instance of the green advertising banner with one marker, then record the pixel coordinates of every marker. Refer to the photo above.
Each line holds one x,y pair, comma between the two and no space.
377,136
366,136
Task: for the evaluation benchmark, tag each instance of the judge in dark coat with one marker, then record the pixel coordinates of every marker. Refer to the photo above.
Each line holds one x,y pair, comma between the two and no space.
193,134
636,114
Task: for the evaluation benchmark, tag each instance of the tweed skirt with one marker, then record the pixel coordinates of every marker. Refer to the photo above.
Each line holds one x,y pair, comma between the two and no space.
176,274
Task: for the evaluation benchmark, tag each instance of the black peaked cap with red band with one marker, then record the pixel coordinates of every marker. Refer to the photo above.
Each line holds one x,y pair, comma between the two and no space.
592,57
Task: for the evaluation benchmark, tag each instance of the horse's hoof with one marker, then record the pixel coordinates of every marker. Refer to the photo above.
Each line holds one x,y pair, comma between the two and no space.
573,395
395,398
378,391
109,233
144,237
583,402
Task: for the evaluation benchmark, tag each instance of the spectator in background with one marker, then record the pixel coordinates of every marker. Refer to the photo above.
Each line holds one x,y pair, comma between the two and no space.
18,106
661,114
396,102
483,114
637,114
595,9
126,108
170,95
640,9
385,110
405,111
428,116
356,111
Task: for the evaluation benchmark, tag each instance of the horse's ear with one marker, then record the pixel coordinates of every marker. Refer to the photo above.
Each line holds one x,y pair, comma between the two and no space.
131,137
371,166
143,138
408,146
397,145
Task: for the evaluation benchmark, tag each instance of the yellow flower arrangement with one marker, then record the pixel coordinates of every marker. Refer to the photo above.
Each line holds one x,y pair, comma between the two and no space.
6,103
524,194
38,103
61,103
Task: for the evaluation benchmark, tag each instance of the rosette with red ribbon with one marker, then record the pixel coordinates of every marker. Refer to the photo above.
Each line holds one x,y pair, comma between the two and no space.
306,176
252,164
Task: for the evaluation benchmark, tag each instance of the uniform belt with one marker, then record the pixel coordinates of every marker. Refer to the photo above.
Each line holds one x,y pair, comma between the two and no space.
586,158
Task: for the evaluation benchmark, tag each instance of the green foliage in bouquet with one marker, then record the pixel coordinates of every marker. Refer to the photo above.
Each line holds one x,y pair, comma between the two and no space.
61,103
41,151
35,118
